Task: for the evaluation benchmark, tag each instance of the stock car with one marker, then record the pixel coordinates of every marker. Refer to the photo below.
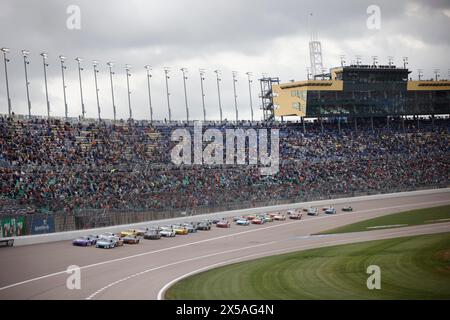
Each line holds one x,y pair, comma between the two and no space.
242,222
109,242
129,232
223,224
131,239
140,232
167,232
296,215
259,220
216,220
191,227
347,208
280,217
180,230
204,225
152,234
235,219
267,218
289,212
313,211
85,241
330,210
250,217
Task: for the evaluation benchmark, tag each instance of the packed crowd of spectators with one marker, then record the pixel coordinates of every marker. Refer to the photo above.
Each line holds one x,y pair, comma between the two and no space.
62,167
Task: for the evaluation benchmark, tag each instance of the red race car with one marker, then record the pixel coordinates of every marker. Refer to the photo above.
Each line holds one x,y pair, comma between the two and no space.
223,224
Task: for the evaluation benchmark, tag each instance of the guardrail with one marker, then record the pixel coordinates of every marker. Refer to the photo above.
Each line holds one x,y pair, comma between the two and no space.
69,235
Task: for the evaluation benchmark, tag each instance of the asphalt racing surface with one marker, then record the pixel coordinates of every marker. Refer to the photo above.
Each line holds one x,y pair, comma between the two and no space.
145,270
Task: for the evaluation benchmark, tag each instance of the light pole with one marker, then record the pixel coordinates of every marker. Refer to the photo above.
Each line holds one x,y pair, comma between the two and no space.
63,67
81,86
25,54
149,75
202,78
436,74
342,60
45,64
110,65
5,51
184,71
405,62
234,73
249,75
128,70
95,64
374,60
166,71
390,61
420,74
217,72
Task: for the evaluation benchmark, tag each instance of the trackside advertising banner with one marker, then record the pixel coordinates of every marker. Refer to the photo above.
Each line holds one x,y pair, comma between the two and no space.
11,227
40,225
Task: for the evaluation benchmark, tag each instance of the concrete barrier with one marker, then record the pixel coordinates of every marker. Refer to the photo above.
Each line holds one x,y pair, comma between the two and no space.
69,235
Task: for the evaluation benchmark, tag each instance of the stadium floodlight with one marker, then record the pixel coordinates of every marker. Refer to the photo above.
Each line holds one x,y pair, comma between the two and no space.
308,73
249,76
5,60
202,78
234,74
358,60
79,60
63,67
45,64
342,57
419,74
374,60
436,74
166,72
217,72
149,75
25,54
95,64
390,61
110,65
128,71
184,71
405,62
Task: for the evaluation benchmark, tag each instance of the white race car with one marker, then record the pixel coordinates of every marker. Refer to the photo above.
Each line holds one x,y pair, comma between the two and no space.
312,211
167,232
243,222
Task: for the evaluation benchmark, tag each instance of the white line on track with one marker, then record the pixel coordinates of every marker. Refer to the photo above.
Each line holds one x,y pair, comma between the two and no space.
162,291
217,238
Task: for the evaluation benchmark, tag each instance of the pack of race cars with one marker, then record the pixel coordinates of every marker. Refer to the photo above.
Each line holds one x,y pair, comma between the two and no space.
110,240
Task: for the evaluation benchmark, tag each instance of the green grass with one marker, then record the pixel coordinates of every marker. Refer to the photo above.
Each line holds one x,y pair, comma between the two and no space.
407,218
411,268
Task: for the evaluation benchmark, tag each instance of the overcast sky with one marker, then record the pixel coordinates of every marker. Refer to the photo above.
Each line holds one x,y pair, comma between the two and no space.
259,36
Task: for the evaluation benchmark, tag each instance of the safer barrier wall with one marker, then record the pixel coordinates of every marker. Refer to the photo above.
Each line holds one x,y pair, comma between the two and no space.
59,236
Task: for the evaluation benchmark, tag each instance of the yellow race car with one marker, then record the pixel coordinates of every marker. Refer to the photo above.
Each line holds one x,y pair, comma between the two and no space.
180,230
129,232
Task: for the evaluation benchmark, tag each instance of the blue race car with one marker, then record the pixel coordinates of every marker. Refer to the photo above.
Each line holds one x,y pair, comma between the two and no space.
85,241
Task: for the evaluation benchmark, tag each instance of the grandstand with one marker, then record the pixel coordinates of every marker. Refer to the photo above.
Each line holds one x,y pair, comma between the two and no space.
87,173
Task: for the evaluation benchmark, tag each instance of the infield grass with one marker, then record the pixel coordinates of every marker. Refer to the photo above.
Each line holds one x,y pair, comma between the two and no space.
415,267
404,219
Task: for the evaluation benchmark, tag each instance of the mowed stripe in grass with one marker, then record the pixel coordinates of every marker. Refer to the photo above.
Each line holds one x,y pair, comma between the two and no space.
401,219
411,268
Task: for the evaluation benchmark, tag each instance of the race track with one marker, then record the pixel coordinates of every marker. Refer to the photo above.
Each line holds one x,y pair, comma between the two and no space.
145,270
